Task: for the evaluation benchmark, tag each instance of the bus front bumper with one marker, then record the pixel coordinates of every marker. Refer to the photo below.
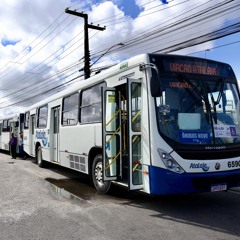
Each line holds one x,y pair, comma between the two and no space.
163,181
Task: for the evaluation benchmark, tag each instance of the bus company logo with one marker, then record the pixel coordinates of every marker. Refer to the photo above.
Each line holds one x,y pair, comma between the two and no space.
42,136
217,166
203,166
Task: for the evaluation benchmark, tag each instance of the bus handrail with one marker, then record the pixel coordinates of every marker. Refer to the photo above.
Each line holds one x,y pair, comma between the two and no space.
113,160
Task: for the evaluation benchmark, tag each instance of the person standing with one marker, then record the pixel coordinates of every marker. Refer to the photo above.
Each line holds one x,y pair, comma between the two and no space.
21,150
13,145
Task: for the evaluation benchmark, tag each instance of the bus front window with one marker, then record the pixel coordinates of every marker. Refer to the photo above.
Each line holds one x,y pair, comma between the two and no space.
199,111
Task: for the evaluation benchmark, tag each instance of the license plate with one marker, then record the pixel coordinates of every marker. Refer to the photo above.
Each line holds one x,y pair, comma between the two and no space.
218,187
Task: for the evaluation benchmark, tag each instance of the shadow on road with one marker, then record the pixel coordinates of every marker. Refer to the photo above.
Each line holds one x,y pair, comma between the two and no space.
218,211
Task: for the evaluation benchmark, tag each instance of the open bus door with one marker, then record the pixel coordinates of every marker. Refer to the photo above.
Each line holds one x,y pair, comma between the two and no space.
134,90
111,134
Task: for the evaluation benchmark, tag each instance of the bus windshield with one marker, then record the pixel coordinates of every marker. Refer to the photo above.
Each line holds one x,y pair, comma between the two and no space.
199,110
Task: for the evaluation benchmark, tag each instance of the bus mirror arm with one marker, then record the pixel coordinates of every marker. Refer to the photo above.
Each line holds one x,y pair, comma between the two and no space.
155,83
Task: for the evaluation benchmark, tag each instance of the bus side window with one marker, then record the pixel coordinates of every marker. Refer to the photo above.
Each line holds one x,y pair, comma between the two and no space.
42,116
70,110
90,104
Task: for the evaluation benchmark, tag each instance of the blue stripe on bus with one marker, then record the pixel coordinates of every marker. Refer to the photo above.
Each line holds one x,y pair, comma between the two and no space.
163,181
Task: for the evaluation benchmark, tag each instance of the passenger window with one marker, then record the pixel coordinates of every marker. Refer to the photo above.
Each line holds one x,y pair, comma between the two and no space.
70,110
91,107
42,117
6,126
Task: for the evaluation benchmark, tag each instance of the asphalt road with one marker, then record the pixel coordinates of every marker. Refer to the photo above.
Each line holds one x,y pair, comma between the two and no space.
56,203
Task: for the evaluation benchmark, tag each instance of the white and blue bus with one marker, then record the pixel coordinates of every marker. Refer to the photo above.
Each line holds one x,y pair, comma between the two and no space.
160,124
10,124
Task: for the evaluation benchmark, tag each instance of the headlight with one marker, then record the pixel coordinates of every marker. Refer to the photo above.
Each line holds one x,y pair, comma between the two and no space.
169,162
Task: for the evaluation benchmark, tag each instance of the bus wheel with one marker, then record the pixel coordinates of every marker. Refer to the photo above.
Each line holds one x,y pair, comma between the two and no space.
97,175
39,157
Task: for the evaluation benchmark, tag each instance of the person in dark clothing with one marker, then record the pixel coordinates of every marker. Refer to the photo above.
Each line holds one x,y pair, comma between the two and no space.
13,145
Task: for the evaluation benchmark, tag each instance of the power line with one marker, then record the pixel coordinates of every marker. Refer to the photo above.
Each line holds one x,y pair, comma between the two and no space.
158,32
208,49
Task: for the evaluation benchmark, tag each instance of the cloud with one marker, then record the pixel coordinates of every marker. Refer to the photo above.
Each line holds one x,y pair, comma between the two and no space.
42,46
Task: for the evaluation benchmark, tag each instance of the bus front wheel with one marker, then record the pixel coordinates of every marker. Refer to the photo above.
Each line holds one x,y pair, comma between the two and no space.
97,175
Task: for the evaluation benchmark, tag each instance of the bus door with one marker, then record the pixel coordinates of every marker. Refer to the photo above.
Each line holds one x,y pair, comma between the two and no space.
111,134
31,134
134,134
55,136
12,128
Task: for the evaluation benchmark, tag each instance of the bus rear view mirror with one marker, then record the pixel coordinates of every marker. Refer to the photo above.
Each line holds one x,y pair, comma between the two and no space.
155,85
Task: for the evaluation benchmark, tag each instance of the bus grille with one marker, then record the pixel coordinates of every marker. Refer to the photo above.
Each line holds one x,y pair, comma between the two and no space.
78,163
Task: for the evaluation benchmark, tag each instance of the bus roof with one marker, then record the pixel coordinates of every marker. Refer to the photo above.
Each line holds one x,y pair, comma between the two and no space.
100,77
116,69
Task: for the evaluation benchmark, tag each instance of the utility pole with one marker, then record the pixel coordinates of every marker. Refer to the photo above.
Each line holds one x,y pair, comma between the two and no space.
86,68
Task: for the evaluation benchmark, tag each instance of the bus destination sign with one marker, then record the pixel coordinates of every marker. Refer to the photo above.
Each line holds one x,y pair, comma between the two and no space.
192,67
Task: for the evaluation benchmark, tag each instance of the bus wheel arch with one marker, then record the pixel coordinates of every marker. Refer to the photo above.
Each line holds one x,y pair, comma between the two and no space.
95,170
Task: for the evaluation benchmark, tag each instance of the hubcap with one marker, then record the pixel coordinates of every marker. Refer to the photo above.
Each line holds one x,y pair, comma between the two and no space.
98,173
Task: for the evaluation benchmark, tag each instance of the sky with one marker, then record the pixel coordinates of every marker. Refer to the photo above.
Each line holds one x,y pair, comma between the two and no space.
42,46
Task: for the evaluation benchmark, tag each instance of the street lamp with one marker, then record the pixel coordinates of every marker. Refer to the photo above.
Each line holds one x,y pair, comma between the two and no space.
206,50
118,44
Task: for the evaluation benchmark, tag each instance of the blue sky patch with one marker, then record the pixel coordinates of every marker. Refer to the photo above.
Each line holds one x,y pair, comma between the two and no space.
5,41
130,8
28,49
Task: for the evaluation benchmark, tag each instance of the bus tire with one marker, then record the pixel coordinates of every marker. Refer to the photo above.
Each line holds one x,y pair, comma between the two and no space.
39,157
97,175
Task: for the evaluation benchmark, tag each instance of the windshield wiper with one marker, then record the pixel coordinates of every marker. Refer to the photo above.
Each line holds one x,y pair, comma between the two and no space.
204,97
215,103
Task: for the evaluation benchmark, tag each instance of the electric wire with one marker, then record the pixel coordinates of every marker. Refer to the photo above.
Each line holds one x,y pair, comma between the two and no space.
128,44
44,80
